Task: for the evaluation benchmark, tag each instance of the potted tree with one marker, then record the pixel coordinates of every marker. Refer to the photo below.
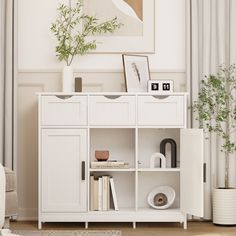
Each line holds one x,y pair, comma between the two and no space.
72,29
216,111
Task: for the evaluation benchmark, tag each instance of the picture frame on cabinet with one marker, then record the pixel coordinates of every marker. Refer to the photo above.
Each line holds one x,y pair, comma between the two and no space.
136,72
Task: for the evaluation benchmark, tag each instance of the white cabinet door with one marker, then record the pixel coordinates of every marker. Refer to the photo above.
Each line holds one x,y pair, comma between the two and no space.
63,179
191,171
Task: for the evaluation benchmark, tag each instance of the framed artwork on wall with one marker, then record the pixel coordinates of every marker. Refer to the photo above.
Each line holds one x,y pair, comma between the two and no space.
137,73
136,35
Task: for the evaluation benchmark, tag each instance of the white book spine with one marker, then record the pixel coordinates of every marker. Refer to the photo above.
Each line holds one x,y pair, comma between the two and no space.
95,203
100,194
104,193
108,193
113,191
91,193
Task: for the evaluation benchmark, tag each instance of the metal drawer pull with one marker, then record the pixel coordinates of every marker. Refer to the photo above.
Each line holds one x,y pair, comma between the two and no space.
160,96
83,170
112,96
64,97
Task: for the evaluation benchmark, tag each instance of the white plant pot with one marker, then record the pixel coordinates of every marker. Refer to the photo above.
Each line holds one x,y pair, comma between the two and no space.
2,196
67,80
224,206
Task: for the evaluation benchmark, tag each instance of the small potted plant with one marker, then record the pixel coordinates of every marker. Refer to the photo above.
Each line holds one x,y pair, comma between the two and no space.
72,29
216,111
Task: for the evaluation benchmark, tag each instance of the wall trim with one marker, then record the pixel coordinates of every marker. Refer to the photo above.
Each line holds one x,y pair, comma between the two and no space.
169,71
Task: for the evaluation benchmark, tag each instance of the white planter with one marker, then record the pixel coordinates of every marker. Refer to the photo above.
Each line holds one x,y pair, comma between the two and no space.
224,206
2,196
67,80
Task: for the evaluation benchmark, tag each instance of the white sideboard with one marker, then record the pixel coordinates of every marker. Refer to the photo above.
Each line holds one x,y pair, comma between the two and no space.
131,126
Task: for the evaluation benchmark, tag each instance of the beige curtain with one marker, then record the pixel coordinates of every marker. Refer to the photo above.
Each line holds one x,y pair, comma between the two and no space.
7,84
211,41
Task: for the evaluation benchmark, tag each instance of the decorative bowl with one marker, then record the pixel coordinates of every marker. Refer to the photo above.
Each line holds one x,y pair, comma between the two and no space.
161,197
102,155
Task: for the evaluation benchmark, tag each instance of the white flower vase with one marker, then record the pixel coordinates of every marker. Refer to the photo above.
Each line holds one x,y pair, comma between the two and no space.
67,80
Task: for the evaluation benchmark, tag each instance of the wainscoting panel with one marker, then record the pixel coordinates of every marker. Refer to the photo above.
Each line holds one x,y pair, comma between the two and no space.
31,82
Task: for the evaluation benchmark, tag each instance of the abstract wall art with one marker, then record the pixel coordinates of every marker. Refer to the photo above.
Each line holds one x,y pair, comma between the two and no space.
137,32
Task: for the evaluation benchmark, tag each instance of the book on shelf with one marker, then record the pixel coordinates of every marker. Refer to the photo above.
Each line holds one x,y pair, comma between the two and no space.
92,208
109,164
95,195
99,194
113,193
102,192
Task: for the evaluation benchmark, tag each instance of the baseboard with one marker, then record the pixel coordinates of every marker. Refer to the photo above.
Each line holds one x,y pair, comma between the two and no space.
28,214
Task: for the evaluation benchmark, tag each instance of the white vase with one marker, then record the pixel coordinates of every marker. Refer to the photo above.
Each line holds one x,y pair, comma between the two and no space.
224,206
67,80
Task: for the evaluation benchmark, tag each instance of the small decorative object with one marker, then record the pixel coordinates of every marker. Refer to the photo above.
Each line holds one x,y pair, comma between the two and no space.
161,197
160,86
158,156
72,29
136,71
102,155
173,150
78,84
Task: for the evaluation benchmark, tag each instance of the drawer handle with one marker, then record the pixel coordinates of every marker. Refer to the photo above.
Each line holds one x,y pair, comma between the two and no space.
64,97
83,170
112,96
160,96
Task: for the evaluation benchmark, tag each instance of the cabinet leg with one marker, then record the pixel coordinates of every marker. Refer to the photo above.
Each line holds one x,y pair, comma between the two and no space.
185,224
7,223
39,224
86,225
134,225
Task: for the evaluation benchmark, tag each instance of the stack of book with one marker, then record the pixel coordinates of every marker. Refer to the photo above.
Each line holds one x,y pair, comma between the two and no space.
102,193
109,164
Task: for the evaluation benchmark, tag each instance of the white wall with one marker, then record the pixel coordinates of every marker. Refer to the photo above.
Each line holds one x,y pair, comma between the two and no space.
39,71
36,43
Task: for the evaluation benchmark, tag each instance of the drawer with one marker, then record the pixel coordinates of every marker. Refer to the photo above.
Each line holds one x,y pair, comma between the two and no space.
64,110
161,110
112,110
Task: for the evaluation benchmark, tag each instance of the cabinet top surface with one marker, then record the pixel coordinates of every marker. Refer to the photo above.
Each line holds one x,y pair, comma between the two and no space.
109,93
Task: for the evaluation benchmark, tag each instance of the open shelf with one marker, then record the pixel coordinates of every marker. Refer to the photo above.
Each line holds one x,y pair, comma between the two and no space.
112,170
147,181
124,187
159,169
119,142
123,210
149,143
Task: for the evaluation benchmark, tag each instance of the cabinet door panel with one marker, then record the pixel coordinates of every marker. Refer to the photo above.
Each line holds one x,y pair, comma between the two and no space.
63,151
161,110
112,110
64,110
191,174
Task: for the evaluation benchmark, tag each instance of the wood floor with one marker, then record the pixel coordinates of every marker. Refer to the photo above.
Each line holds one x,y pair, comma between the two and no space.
143,229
